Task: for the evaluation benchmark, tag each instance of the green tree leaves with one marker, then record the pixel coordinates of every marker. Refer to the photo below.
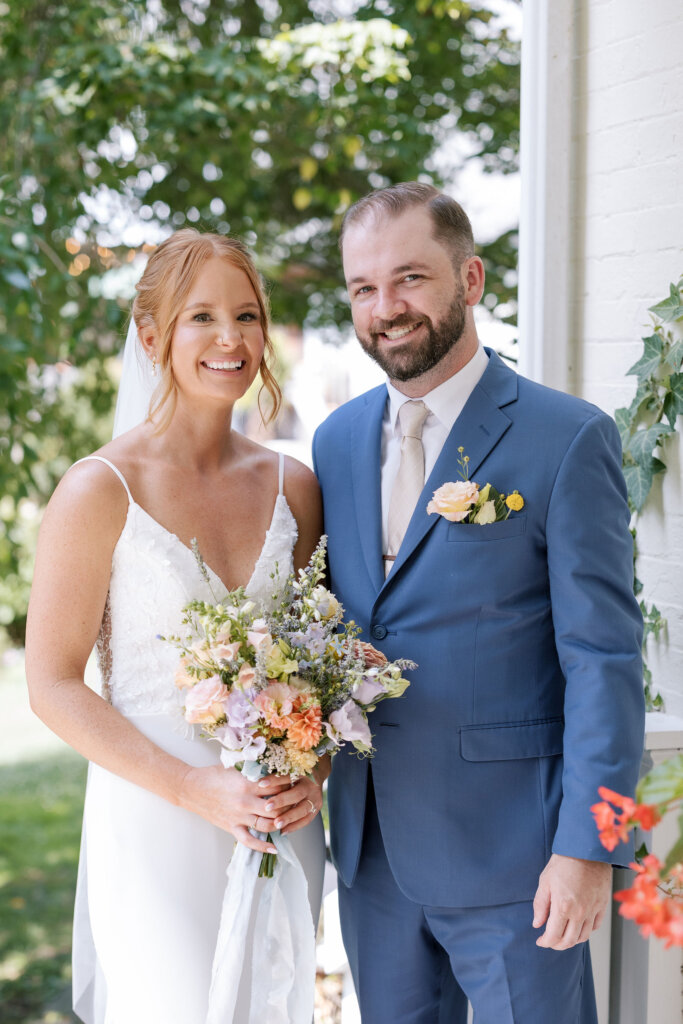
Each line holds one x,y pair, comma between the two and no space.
125,120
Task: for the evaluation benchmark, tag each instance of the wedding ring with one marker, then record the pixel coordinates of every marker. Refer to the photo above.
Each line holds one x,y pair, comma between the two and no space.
254,825
314,809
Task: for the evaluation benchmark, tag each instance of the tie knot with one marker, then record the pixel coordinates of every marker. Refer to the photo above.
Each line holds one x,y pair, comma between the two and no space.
412,416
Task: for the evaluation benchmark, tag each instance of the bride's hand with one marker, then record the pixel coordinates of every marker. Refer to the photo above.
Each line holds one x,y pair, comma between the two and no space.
228,800
297,806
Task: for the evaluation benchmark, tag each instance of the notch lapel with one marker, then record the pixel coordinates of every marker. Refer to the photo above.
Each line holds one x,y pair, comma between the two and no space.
366,448
477,430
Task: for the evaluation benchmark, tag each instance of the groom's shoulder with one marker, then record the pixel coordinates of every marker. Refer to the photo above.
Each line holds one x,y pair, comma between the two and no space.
556,408
338,421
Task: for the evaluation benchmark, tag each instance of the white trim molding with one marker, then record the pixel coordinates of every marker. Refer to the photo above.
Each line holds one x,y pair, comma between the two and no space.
545,237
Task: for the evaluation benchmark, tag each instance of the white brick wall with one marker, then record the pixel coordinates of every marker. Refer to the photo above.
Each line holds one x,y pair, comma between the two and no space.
627,246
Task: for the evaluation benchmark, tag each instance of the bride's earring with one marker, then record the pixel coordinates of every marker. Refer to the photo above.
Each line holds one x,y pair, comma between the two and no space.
154,365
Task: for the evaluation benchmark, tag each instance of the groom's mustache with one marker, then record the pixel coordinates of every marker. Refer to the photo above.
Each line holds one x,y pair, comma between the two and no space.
404,320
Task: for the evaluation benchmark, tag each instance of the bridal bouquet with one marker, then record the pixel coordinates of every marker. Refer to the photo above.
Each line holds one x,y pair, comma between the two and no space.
277,690
280,690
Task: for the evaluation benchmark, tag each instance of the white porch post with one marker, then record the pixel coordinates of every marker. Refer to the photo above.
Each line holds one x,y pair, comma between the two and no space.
545,242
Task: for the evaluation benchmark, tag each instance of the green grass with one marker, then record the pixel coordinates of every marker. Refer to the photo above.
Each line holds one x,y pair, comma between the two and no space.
42,784
40,817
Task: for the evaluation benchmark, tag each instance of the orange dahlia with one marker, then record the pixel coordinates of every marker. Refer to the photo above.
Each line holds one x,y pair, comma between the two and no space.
305,727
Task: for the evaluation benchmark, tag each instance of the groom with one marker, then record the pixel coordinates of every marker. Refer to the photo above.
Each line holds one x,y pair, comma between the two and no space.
469,863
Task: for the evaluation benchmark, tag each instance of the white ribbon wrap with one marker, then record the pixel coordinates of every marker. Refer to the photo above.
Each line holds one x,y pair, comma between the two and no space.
283,944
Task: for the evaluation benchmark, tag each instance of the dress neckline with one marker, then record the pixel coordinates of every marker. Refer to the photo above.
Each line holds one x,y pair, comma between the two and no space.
169,533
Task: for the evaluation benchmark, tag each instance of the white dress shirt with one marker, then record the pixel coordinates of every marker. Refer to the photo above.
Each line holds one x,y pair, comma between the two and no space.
445,403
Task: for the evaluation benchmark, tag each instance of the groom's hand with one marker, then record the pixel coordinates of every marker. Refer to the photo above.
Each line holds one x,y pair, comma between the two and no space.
571,900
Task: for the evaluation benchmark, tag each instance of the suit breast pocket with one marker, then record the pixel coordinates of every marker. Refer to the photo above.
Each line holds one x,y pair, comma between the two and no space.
468,533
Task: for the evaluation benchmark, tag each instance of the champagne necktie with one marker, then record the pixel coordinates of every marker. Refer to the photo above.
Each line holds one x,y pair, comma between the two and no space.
409,479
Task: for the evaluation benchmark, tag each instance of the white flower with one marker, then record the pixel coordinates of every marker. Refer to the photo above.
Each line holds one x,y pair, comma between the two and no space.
350,723
486,514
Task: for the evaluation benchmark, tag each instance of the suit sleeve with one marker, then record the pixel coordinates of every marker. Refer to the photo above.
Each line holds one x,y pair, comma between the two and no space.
598,634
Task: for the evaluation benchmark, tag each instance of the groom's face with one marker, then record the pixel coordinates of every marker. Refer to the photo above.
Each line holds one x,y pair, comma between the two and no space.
407,298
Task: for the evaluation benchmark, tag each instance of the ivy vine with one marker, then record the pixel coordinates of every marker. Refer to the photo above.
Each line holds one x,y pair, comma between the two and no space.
645,427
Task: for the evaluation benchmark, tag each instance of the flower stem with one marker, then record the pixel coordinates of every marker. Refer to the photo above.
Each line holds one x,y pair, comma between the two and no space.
267,862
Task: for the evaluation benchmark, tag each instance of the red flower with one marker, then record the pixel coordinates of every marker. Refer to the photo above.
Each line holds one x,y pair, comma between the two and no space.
612,828
646,815
655,912
617,799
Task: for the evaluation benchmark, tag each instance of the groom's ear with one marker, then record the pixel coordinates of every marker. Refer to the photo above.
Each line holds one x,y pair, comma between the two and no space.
472,276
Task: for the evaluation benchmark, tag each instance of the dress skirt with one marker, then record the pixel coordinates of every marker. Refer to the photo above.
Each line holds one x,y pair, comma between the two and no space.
149,895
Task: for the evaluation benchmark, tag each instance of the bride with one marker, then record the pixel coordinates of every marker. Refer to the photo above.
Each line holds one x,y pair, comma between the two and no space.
114,568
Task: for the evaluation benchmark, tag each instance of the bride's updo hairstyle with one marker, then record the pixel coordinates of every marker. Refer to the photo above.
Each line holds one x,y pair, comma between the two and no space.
161,295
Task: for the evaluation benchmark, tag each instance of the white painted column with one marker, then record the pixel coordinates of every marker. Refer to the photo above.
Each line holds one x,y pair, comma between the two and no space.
545,238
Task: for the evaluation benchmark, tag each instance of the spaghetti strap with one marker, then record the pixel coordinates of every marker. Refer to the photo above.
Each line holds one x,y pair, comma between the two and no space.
282,473
100,458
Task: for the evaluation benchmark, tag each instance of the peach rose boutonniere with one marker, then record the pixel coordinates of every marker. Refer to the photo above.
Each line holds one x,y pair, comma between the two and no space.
465,502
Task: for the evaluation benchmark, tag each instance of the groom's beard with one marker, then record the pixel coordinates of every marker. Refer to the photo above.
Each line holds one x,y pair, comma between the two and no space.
415,358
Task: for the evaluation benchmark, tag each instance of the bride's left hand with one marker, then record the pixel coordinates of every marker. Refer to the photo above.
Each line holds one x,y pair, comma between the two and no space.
302,801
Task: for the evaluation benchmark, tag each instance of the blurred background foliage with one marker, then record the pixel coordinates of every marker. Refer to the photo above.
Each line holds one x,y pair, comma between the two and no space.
125,119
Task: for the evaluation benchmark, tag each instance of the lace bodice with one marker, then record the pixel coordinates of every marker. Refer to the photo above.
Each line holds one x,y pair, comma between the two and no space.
153,576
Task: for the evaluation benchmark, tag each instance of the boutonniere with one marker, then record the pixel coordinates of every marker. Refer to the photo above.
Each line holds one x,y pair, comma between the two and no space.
463,501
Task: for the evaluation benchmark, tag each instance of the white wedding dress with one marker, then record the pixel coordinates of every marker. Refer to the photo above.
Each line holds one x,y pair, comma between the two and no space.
152,875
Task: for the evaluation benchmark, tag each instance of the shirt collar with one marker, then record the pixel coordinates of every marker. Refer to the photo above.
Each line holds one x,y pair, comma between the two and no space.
447,400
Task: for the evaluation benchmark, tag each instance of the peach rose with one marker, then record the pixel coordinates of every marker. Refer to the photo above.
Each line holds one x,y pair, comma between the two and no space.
276,703
454,501
204,702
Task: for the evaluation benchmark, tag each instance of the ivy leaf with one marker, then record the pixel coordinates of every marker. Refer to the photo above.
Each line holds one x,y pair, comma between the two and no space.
645,398
650,359
663,783
673,401
670,308
674,356
622,418
642,443
639,479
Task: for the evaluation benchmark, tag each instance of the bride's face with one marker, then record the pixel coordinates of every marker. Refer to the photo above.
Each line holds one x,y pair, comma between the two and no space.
218,340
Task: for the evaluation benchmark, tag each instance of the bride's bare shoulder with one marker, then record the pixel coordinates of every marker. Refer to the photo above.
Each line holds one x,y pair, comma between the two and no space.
90,495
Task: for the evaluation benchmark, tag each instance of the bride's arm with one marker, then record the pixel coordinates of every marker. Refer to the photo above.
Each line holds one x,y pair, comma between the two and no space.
80,529
303,497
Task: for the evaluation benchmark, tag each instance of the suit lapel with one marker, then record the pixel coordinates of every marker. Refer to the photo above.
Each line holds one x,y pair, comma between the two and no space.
366,446
477,430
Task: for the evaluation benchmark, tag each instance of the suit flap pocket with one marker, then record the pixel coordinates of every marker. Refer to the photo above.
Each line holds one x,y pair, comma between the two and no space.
508,742
465,532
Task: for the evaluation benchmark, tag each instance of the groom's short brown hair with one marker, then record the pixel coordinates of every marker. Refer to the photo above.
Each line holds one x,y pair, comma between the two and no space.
450,222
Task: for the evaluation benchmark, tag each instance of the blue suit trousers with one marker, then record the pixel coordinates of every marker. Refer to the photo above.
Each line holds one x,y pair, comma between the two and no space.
414,964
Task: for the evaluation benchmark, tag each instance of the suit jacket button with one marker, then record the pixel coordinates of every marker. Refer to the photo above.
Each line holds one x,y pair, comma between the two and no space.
379,631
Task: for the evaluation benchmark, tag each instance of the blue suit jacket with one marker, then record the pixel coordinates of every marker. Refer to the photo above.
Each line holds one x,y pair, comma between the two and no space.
528,694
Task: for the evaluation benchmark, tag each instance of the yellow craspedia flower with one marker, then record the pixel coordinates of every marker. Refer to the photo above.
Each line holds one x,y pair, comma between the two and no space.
515,501
302,761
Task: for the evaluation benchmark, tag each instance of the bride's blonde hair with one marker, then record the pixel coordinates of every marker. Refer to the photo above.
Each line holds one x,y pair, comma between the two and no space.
161,294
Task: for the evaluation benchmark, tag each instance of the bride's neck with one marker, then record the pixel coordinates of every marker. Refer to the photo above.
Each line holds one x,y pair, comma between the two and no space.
201,439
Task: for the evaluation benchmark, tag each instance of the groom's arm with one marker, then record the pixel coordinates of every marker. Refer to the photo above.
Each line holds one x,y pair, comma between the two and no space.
598,634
